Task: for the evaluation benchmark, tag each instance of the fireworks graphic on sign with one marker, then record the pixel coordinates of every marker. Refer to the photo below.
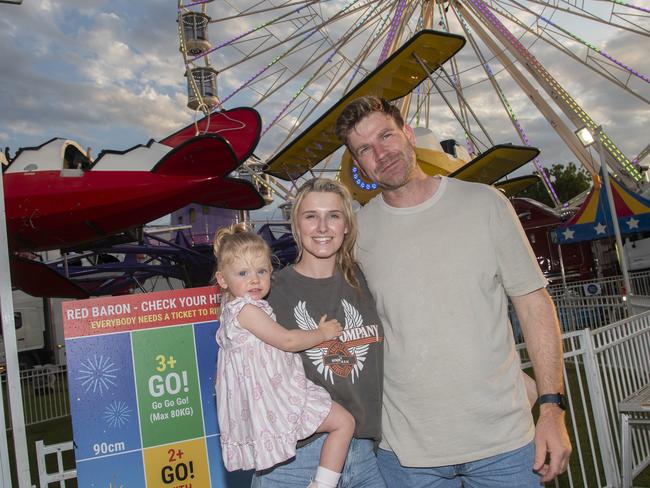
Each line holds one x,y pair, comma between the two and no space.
97,374
117,414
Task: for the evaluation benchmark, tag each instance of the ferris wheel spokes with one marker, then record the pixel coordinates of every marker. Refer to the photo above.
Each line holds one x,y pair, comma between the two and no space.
544,107
603,68
334,82
295,66
460,120
508,108
570,108
280,81
580,12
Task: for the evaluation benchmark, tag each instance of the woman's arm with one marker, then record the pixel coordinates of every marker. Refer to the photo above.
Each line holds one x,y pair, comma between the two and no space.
258,323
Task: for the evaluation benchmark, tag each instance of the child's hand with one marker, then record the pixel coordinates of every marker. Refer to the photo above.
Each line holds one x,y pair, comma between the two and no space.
329,328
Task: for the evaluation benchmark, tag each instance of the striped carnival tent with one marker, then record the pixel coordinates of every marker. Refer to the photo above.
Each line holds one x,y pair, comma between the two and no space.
594,220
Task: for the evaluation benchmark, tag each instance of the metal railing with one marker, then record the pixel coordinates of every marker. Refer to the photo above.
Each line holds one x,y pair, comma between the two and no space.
60,475
45,394
622,352
601,368
577,313
580,312
613,285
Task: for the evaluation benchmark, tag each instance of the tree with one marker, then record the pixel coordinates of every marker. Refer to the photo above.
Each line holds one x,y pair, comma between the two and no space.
568,181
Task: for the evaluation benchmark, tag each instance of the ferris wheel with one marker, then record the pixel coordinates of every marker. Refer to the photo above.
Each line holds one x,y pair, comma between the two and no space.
526,64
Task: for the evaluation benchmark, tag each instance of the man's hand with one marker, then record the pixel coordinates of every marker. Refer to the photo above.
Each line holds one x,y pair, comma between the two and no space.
552,442
541,329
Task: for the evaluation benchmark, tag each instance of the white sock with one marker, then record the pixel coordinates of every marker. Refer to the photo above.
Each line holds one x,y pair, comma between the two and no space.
326,478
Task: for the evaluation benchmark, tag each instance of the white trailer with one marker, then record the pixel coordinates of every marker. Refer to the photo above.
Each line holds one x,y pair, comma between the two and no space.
39,331
637,253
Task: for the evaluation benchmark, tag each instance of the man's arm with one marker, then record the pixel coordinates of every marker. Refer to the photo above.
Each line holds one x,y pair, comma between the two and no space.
538,320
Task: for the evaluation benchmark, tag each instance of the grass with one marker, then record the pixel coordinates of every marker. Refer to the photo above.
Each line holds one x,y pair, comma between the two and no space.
50,390
580,426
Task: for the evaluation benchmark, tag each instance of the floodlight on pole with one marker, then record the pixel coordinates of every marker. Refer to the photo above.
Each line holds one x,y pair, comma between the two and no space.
14,387
585,136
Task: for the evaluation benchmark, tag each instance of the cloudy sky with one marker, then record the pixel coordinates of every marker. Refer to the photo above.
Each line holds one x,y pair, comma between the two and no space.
108,73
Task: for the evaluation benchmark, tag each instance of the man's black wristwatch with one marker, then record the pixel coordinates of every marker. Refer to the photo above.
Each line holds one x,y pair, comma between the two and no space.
558,398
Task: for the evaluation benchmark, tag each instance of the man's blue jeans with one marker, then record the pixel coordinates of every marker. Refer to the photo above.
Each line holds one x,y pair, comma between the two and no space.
360,470
512,469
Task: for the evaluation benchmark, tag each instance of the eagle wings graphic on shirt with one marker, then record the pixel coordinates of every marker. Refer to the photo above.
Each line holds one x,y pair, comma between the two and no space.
345,355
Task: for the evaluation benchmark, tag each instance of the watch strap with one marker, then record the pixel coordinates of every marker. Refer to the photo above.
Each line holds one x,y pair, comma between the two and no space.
557,398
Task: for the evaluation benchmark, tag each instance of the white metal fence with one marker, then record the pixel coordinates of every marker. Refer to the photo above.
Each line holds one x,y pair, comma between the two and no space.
579,312
622,352
45,394
602,367
60,473
613,285
591,303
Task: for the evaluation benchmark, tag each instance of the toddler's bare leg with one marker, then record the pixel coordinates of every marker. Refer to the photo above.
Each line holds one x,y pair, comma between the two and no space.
339,425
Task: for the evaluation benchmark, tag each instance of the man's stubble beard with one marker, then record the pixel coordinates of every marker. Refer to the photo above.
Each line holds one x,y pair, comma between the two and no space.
410,162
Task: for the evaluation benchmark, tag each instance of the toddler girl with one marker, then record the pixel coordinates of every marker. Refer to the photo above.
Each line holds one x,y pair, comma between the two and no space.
264,401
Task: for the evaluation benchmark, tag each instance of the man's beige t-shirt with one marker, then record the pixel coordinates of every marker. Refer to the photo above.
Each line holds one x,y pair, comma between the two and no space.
440,273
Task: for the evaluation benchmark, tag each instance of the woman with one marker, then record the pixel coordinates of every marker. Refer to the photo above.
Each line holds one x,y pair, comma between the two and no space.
326,281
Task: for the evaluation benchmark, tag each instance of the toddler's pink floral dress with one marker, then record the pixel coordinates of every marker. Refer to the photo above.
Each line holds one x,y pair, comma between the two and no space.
265,404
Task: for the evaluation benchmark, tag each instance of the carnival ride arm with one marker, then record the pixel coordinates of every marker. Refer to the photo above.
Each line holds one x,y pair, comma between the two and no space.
258,323
539,323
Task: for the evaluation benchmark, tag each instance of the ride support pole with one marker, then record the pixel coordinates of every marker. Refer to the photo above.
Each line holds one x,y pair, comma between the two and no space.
11,355
617,230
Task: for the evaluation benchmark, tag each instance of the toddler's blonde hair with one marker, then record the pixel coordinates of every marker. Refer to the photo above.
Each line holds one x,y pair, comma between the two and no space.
238,242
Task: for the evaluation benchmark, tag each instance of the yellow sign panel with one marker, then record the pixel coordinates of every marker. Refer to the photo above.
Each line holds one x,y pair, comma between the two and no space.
177,465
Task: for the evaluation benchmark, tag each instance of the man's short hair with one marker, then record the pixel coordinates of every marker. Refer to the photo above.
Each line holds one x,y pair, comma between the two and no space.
360,108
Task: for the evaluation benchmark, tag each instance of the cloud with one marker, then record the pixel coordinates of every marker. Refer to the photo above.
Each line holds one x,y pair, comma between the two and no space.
97,71
109,73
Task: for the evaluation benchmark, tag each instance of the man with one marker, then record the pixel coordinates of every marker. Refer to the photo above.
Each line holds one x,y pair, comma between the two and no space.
441,257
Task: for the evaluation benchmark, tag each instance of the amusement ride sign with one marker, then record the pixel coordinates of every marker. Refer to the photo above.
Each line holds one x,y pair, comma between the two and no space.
141,385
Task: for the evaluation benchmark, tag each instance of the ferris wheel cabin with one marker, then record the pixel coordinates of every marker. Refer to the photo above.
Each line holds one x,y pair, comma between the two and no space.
195,32
202,88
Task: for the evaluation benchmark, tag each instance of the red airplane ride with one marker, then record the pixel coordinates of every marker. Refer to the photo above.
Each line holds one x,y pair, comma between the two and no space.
57,198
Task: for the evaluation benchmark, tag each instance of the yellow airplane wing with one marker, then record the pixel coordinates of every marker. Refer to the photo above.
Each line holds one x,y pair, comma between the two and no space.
393,79
514,186
495,163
